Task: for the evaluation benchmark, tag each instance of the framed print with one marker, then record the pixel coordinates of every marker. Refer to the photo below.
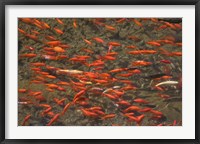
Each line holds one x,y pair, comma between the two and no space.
100,72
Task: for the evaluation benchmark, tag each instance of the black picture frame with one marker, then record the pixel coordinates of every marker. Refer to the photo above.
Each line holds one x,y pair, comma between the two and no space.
3,4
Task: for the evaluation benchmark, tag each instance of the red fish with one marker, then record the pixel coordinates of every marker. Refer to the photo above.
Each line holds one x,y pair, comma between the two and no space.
29,55
55,118
65,108
26,119
97,39
139,100
109,116
114,44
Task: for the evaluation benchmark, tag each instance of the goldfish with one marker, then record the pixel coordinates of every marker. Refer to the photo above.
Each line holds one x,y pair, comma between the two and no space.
26,119
139,100
142,52
79,94
141,63
53,43
176,53
125,74
65,108
29,55
111,28
118,70
128,87
97,39
46,111
121,20
35,32
74,23
137,22
131,108
123,102
145,110
89,114
59,21
26,20
50,76
58,49
114,43
87,41
109,116
166,61
156,112
153,43
33,37
179,44
49,57
45,25
51,38
110,96
59,31
21,31
107,57
22,90
38,64
55,118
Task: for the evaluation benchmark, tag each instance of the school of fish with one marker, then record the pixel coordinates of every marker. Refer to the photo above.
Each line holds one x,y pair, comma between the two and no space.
99,72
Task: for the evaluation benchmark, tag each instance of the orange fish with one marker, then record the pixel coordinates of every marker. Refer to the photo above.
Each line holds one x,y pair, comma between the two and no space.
123,102
110,28
38,64
125,74
59,21
21,90
88,113
132,108
26,20
51,38
176,53
65,108
29,55
45,25
97,39
121,20
53,43
109,116
141,63
26,119
142,52
55,118
59,31
153,43
114,43
118,70
137,22
21,31
110,96
74,23
58,49
79,94
139,100
87,41
33,37
156,112
107,57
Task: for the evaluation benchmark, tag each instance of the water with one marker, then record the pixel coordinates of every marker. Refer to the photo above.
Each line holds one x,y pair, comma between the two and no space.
142,71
